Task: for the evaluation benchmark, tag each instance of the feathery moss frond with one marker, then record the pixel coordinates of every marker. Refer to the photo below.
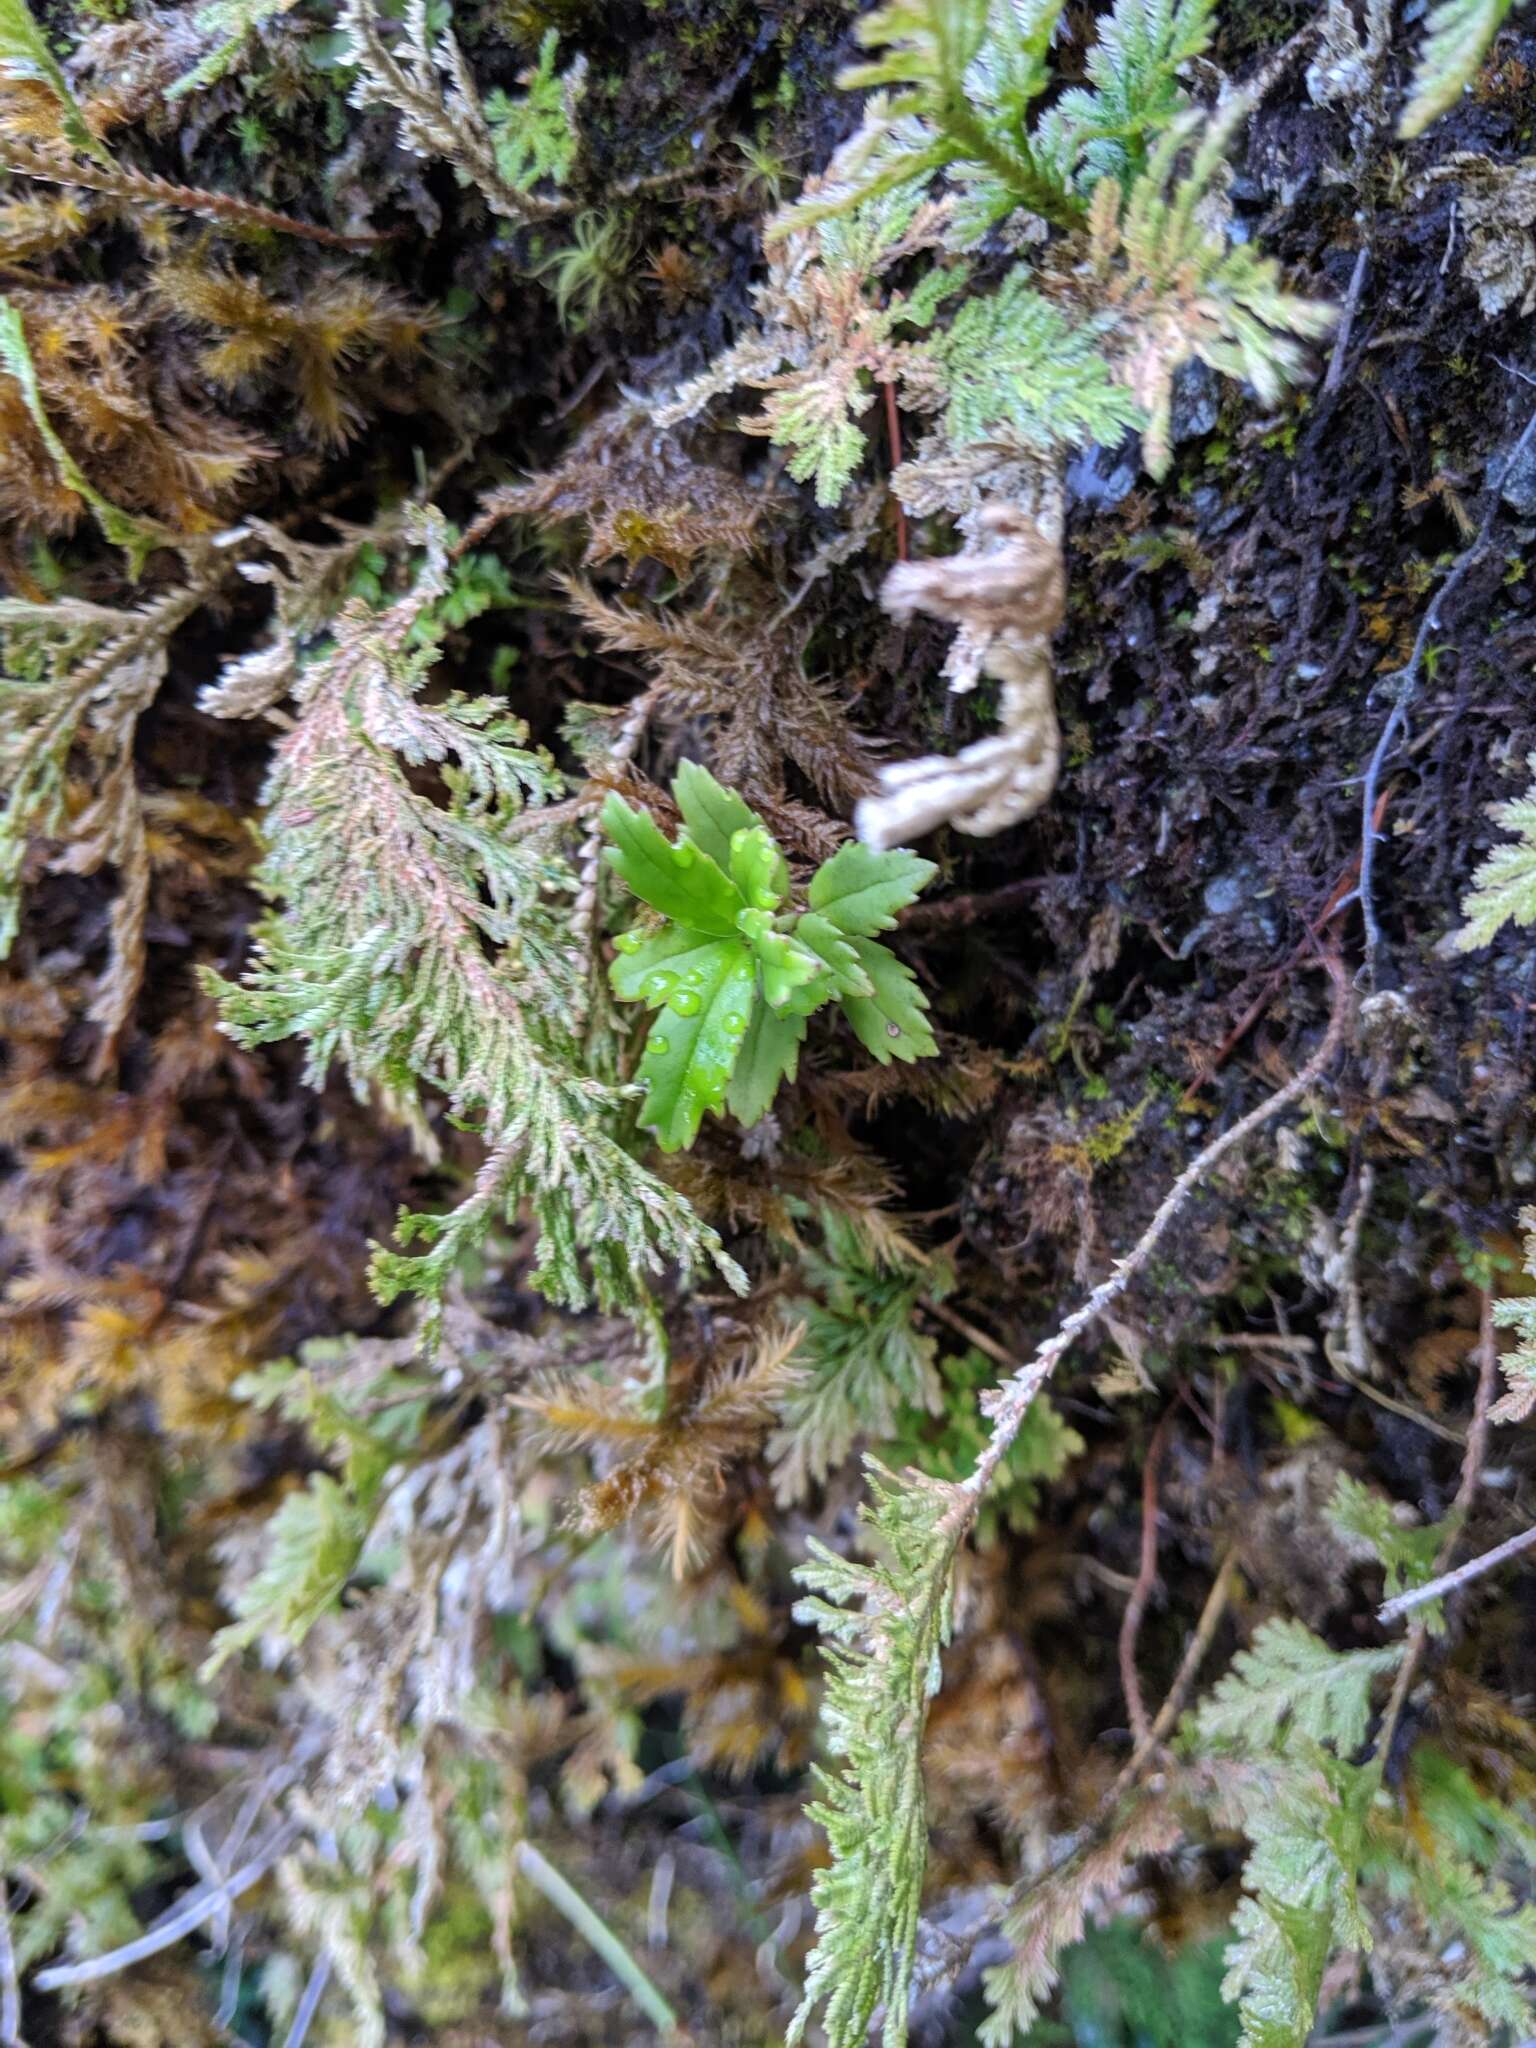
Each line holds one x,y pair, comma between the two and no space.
137,537
232,23
420,942
424,77
884,1634
1182,291
1503,889
74,681
1456,35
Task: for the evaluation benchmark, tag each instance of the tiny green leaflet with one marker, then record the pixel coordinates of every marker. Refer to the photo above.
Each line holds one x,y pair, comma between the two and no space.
736,968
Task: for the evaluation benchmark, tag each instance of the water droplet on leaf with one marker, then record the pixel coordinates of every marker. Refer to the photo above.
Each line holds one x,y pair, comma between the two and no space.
765,899
659,1046
735,1023
893,1031
683,854
686,1002
658,984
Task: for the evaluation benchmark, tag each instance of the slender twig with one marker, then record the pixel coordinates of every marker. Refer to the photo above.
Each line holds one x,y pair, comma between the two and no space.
1466,1492
1189,1669
1349,1264
314,1991
963,1327
200,1907
893,435
1393,1406
1007,1405
1141,1592
969,909
10,1989
144,188
1407,680
1450,1582
1346,322
565,1898
1482,1408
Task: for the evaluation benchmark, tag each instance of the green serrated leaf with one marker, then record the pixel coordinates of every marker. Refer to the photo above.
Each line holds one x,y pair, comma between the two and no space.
893,1022
845,977
786,964
758,868
860,890
711,813
314,1542
648,971
770,1055
695,1042
682,881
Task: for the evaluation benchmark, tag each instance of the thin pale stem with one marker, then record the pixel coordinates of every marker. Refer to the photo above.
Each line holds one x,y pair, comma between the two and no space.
197,1911
309,2004
1008,1404
565,1898
1463,1575
10,1989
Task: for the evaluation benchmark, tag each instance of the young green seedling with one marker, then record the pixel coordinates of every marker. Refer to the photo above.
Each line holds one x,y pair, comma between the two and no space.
734,970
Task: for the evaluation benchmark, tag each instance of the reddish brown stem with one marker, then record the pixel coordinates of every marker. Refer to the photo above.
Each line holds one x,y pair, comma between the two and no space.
1146,1578
893,434
121,182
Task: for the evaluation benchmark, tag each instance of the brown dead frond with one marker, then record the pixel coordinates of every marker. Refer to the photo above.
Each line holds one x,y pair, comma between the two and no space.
962,1082
668,1473
336,324
744,1709
643,498
113,397
749,680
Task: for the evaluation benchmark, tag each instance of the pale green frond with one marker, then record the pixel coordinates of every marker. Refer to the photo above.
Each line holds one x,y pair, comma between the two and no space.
863,1359
885,1624
533,131
1408,1552
1012,363
1503,888
1518,1313
971,71
426,944
233,22
1456,35
313,1544
1291,1682
1106,128
74,680
1182,292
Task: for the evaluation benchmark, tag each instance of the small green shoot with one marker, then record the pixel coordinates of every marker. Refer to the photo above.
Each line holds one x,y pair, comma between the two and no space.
734,971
